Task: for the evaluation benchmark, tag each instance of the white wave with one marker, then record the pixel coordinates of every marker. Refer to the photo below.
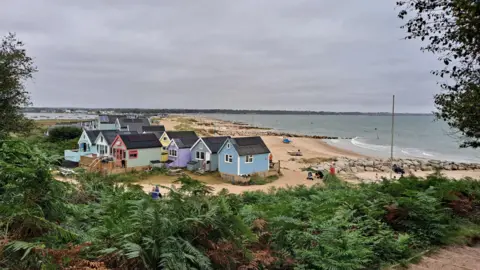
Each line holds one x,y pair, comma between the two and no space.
334,140
375,147
427,154
415,152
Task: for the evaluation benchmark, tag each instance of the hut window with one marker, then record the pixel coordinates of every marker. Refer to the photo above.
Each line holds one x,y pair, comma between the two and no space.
249,159
132,154
172,152
200,155
228,158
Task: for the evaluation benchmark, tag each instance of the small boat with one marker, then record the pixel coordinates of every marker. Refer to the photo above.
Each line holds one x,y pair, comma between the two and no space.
286,140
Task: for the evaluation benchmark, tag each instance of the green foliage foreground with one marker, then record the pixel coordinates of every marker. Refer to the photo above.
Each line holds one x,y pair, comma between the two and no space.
98,223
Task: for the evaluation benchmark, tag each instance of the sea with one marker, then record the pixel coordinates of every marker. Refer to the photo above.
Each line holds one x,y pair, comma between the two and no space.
414,136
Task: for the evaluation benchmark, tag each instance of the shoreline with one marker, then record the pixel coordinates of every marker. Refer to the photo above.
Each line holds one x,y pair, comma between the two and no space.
313,148
237,128
350,166
222,127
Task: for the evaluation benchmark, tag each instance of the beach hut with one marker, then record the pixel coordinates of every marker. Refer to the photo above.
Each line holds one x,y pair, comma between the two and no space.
106,122
86,146
179,151
104,141
166,139
135,150
204,153
239,157
158,130
131,123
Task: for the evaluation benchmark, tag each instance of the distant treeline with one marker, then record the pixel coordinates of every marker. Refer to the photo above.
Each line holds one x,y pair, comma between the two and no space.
204,111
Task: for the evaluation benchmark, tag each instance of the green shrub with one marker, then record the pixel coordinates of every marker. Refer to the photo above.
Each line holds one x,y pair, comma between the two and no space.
64,133
334,226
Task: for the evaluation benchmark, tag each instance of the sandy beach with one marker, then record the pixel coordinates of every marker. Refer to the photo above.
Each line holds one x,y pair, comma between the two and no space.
314,152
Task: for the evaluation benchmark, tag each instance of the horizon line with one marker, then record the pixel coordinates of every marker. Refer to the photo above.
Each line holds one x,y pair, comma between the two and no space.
217,109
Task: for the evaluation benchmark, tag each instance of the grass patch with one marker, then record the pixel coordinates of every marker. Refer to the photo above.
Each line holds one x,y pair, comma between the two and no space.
127,177
183,127
258,180
315,160
186,120
50,122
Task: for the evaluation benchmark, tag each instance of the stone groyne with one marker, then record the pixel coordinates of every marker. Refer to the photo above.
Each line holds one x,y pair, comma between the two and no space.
347,165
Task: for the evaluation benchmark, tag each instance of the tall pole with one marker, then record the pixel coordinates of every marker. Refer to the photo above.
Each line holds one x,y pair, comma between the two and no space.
391,146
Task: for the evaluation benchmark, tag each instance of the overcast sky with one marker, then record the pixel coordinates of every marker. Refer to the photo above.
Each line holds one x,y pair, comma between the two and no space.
325,55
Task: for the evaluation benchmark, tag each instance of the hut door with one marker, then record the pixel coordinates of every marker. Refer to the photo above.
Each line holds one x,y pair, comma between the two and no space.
119,154
207,161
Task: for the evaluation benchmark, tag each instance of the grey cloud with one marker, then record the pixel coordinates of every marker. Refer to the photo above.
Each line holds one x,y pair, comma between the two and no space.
309,55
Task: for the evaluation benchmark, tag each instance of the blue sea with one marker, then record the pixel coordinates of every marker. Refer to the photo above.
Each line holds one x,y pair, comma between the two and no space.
414,136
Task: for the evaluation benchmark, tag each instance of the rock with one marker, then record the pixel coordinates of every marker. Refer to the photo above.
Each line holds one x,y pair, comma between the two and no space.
369,163
434,162
454,167
425,167
353,169
447,167
368,169
461,168
385,169
360,168
340,164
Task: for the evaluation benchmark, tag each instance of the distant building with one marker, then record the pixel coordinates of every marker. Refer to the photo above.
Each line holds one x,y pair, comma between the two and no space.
131,123
157,130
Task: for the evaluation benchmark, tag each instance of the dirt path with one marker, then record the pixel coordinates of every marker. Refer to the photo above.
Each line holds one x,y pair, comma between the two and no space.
289,178
451,258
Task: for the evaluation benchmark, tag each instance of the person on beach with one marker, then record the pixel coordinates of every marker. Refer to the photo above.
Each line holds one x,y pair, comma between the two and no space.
332,169
155,193
397,169
309,176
